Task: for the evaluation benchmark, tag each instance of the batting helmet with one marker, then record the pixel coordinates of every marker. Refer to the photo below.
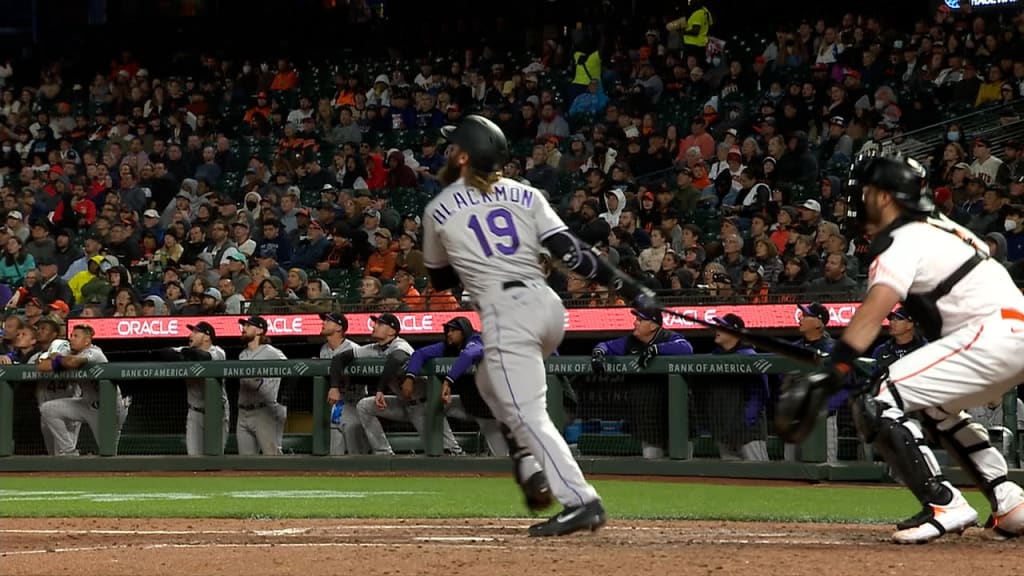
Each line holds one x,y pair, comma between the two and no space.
903,178
482,140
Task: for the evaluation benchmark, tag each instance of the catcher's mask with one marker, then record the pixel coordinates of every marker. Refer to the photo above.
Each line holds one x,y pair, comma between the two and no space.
801,400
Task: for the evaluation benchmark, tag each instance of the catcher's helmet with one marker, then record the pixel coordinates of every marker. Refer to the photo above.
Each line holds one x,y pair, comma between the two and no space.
903,178
482,140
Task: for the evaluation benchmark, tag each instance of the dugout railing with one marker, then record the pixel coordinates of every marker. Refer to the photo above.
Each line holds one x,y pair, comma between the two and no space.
679,444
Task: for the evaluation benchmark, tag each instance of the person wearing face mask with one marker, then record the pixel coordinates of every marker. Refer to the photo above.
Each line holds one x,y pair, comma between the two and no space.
1013,226
10,161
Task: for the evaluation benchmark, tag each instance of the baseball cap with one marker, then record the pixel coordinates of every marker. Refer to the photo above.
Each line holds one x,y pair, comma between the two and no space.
729,320
204,328
61,306
816,310
16,214
212,293
35,302
336,317
388,319
409,235
899,314
962,166
151,214
256,321
238,256
650,314
371,212
837,120
943,194
383,232
753,266
812,205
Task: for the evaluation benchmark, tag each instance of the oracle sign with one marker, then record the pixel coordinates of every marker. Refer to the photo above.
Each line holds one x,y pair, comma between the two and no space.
592,320
127,328
422,323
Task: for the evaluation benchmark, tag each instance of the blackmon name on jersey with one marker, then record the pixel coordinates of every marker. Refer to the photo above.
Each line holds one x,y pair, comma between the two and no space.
471,197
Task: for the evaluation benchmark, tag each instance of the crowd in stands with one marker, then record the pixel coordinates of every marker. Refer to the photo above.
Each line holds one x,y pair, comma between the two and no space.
712,169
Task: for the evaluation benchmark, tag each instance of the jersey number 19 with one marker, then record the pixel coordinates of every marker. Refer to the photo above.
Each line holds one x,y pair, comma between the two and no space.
501,225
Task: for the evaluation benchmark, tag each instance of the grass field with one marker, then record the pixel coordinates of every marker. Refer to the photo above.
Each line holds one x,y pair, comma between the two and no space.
432,497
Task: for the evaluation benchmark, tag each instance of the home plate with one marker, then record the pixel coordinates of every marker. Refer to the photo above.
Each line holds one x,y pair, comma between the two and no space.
454,539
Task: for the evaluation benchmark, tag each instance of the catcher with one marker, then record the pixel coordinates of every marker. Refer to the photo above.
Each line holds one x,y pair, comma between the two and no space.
943,275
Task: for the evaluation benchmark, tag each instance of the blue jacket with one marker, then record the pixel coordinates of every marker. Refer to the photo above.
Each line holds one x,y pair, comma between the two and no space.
668,344
825,344
470,354
759,394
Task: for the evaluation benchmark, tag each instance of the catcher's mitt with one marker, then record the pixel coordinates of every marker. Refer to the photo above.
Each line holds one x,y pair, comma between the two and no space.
802,399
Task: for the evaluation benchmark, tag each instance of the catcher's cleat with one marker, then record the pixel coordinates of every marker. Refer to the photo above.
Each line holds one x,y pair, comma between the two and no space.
589,516
537,492
916,520
956,516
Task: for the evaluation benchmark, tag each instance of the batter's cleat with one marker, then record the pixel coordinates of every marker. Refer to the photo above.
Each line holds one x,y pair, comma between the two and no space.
916,520
589,516
537,492
956,516
1006,526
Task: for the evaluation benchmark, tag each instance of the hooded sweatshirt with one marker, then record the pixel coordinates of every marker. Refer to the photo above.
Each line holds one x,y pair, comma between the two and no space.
612,216
471,351
1000,241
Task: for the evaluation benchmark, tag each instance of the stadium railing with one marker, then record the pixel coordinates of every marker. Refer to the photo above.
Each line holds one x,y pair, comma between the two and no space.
680,429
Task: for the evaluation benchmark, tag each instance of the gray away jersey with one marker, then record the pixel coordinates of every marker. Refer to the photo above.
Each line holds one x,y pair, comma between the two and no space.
91,388
326,352
195,388
375,350
489,238
52,389
253,391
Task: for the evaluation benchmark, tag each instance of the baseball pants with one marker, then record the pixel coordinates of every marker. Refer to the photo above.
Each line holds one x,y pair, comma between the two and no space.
348,436
57,417
754,451
400,411
523,323
489,427
791,452
260,430
972,366
52,390
195,427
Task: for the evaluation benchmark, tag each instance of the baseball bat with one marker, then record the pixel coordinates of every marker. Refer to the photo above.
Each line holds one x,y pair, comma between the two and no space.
761,341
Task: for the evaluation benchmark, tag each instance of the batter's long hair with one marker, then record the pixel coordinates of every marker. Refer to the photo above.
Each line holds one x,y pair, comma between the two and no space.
482,181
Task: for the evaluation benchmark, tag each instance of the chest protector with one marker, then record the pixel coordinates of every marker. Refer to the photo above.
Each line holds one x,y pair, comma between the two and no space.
924,308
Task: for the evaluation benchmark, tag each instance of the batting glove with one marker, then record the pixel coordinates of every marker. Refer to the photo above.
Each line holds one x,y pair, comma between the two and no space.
647,355
597,361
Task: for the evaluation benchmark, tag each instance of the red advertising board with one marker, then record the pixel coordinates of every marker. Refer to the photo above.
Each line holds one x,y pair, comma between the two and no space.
413,323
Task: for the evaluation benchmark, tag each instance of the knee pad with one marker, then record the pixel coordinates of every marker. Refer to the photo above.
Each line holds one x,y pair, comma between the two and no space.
867,417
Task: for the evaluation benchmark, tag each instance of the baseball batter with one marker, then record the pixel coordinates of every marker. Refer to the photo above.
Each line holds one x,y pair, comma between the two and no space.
50,342
200,349
347,436
462,341
55,415
486,232
261,419
949,285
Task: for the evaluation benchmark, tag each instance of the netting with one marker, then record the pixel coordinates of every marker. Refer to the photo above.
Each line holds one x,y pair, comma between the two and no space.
612,415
